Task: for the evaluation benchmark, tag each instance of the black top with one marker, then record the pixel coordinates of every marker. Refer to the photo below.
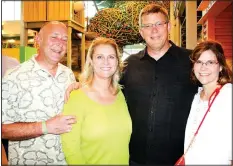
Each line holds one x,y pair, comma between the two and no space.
159,96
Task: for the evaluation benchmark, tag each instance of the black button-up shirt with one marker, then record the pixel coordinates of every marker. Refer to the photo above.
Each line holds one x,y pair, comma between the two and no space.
159,96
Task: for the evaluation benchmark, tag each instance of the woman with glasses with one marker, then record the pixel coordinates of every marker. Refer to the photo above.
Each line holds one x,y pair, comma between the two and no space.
208,135
102,132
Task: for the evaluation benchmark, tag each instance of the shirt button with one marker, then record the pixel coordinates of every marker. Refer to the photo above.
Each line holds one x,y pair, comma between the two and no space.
154,94
150,129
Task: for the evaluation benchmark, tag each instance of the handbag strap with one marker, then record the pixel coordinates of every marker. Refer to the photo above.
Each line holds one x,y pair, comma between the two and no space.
210,102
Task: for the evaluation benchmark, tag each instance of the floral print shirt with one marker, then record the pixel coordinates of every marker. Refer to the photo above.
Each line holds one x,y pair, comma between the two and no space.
31,94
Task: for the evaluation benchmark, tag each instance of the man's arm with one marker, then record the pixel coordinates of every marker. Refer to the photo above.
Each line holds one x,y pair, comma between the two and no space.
14,129
23,130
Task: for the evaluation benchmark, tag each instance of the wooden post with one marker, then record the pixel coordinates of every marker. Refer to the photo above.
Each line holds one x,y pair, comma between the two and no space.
83,56
191,24
69,48
23,29
172,21
178,32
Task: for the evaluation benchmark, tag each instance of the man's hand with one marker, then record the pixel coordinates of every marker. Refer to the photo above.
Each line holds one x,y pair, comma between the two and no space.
71,87
60,124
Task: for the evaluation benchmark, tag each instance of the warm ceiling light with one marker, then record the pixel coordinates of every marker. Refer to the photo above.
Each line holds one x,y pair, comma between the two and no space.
31,40
11,41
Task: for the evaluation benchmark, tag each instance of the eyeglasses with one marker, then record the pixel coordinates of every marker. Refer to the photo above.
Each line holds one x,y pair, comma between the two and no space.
158,25
209,63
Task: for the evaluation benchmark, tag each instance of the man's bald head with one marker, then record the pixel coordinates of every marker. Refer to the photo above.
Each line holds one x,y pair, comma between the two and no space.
52,40
51,23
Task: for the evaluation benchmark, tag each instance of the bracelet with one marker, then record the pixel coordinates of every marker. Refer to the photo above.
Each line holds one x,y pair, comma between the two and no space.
44,128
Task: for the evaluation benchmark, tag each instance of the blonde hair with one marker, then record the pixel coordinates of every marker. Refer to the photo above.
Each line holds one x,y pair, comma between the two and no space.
153,8
86,77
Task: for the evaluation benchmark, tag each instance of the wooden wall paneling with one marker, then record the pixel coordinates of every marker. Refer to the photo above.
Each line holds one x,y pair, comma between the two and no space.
222,24
62,13
31,10
208,29
51,5
66,9
223,31
211,28
226,39
42,11
58,10
34,11
27,14
79,17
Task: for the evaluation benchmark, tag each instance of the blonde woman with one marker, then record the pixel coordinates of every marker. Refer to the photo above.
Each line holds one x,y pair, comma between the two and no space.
103,130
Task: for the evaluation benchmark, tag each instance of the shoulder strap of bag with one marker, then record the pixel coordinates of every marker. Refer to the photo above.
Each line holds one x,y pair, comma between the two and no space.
210,102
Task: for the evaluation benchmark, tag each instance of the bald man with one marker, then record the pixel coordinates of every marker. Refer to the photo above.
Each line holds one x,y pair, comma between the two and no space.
32,101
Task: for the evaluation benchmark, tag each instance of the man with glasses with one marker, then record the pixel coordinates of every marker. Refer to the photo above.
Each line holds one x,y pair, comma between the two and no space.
158,91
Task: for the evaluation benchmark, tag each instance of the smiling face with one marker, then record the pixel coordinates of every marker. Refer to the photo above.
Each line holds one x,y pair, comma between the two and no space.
104,61
53,42
207,74
156,37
